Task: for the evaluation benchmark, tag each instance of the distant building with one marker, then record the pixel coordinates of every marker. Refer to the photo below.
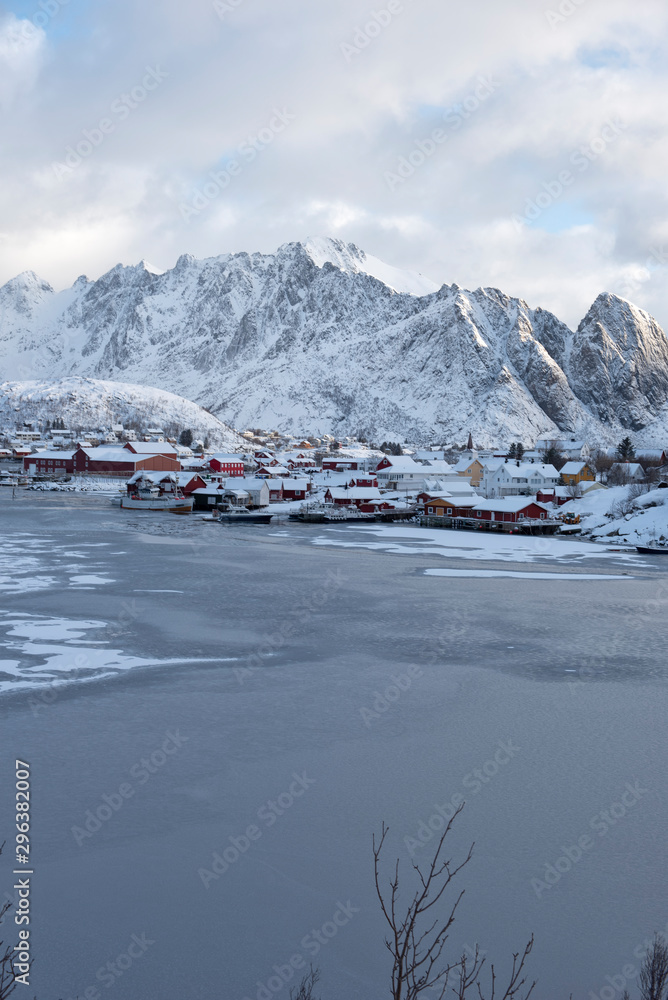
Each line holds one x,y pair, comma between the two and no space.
49,463
228,465
110,461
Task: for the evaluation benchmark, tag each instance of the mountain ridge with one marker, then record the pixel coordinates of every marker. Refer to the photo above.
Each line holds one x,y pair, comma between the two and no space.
320,337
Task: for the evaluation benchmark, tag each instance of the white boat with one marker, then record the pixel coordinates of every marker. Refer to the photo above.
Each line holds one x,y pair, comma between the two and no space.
146,495
229,514
177,505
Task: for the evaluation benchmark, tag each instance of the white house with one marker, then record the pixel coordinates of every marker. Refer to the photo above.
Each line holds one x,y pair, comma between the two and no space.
452,486
401,472
627,472
512,479
569,447
257,489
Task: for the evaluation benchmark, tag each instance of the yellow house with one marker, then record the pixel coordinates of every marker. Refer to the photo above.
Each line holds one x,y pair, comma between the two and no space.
471,470
577,472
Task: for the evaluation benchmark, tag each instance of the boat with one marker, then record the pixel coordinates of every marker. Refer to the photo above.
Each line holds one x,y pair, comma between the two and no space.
145,494
653,550
354,514
231,514
319,513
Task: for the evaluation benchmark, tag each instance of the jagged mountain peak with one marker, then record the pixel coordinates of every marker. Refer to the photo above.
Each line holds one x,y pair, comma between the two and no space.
321,336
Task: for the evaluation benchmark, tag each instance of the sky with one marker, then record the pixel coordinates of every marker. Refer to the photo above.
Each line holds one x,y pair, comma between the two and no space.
518,144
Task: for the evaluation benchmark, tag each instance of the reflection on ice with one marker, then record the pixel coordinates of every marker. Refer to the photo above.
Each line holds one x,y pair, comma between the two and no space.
52,652
30,563
404,540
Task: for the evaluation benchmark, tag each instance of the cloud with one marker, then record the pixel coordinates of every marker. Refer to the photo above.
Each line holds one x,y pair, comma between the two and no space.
521,93
21,56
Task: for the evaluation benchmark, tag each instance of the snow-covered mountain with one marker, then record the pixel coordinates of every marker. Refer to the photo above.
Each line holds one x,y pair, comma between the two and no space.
319,337
90,403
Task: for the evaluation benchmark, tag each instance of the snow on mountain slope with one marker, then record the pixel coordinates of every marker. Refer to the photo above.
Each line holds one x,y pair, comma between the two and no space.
90,404
348,257
319,337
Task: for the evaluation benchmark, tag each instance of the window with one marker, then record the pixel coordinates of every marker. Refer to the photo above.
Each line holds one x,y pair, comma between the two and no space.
478,513
430,510
449,510
542,517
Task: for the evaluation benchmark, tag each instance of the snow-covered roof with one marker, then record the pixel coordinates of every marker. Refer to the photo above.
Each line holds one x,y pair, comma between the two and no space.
151,448
356,493
452,486
55,454
404,463
527,470
246,484
573,468
438,467
509,505
154,477
294,484
275,470
105,454
633,468
222,457
463,464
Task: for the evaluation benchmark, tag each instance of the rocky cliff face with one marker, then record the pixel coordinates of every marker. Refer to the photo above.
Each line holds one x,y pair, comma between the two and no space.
319,337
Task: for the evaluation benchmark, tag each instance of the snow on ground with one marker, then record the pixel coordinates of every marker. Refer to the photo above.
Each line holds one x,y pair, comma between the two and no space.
82,484
602,515
412,540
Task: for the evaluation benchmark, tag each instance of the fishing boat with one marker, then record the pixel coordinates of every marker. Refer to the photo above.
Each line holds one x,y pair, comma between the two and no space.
318,513
653,549
231,514
145,494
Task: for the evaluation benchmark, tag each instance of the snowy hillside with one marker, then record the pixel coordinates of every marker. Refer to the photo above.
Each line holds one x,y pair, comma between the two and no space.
319,337
90,403
617,514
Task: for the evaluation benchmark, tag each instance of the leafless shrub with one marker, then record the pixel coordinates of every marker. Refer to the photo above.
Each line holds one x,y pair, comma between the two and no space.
305,989
653,979
417,935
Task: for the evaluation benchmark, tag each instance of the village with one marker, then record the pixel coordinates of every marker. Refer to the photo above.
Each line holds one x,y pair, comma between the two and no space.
322,479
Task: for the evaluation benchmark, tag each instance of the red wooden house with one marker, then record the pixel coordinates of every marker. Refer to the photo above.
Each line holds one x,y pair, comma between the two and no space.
507,510
229,465
294,489
120,462
356,495
49,463
340,464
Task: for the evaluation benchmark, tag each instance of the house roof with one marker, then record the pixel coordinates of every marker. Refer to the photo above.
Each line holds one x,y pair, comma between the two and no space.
438,467
294,484
509,505
222,457
150,448
154,477
463,464
246,484
403,463
356,493
55,454
526,470
633,468
572,468
104,454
